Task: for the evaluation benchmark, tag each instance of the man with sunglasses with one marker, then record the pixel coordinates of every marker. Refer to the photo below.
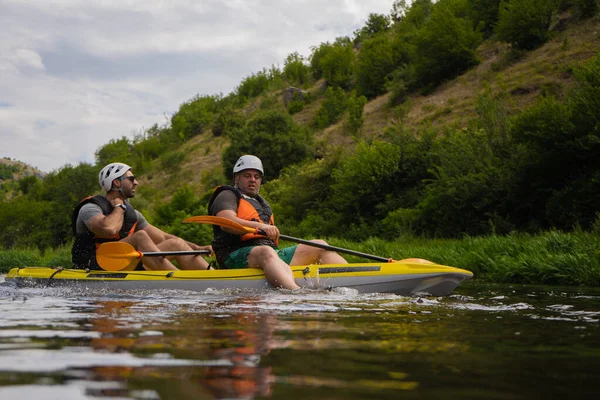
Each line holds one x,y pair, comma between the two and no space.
99,219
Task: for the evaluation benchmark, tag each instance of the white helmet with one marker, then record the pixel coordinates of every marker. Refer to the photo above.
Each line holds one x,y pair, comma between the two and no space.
111,172
248,162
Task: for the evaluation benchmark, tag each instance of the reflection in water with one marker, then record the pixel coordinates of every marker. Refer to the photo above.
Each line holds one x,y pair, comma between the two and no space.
483,342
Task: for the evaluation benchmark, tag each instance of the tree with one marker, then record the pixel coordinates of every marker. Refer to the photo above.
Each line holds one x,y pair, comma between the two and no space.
295,70
375,61
445,46
376,24
116,150
524,23
336,64
272,136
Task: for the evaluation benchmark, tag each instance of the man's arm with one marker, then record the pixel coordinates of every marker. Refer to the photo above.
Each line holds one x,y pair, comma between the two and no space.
106,225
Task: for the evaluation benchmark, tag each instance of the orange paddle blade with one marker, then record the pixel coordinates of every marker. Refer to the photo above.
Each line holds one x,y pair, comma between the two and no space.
225,222
117,256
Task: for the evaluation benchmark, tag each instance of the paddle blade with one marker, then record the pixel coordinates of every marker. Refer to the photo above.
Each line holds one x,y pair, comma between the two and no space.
117,256
224,222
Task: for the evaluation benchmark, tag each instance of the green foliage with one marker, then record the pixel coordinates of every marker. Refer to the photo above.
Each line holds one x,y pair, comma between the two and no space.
116,150
335,63
194,116
471,184
332,107
400,82
586,8
272,136
413,18
34,257
257,84
524,23
484,14
184,204
295,106
445,46
295,70
557,193
376,24
375,61
171,161
7,171
292,206
356,107
227,120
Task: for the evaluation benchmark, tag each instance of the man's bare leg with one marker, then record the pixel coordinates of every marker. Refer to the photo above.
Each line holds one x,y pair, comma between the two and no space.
277,272
142,242
305,255
185,262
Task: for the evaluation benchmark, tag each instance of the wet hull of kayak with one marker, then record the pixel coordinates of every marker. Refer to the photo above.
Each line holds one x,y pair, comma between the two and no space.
397,277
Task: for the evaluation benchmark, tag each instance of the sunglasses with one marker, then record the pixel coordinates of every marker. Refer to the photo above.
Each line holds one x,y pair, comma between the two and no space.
131,178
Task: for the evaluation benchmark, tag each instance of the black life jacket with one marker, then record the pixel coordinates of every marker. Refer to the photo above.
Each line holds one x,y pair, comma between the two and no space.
249,208
83,252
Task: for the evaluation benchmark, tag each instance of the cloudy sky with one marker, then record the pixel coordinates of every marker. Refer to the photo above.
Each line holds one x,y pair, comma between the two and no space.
76,73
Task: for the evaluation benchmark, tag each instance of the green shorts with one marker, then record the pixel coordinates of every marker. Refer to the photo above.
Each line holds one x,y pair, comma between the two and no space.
239,258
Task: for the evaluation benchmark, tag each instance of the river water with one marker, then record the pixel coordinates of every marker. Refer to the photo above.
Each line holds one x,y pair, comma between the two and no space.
481,342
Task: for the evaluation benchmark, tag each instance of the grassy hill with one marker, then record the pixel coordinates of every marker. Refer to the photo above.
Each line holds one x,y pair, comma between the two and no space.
519,77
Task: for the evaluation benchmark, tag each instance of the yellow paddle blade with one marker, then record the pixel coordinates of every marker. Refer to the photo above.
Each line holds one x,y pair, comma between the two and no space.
117,256
207,219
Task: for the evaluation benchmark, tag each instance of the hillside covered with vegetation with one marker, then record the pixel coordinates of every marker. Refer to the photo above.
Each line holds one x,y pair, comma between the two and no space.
439,120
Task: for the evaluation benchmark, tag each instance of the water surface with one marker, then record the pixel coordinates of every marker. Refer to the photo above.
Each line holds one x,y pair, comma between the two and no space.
482,342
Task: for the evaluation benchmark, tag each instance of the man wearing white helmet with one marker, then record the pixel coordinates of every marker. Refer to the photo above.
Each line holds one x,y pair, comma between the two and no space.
242,203
99,219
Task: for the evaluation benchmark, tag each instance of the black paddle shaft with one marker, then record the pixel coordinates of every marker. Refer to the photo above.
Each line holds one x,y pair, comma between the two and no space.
333,248
175,253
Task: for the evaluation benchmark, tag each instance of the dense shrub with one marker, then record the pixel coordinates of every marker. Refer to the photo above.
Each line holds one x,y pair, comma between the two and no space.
445,47
375,61
185,203
524,23
272,136
376,24
336,63
295,70
332,107
356,107
194,116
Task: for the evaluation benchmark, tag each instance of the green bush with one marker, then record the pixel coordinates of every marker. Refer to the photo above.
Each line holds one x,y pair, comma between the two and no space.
524,23
376,24
356,107
586,8
484,14
336,63
194,116
445,47
226,121
7,171
258,83
375,61
295,106
172,161
272,136
332,107
295,70
185,203
116,150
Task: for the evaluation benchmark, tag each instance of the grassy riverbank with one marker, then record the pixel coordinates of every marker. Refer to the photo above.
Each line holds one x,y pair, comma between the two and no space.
547,258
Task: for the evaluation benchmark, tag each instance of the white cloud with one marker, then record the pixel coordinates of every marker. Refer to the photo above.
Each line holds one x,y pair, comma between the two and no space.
76,74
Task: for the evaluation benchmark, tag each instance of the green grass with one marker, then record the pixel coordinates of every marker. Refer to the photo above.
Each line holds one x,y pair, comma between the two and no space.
34,258
553,257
